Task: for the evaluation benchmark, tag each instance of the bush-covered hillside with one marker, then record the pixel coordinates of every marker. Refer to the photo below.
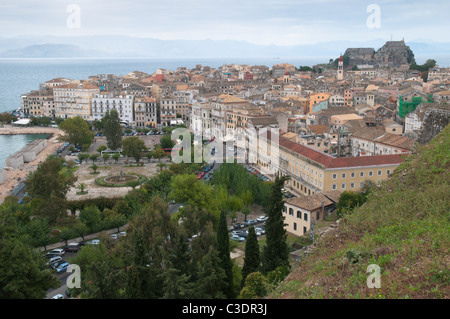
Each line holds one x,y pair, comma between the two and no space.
403,227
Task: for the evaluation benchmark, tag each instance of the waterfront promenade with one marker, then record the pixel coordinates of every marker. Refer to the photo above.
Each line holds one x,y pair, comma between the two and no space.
18,175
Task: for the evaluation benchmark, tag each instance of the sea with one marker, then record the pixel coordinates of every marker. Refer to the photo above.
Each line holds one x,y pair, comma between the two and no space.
20,76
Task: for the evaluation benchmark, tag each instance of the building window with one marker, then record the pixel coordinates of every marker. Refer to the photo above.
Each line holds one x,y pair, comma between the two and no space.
299,214
352,175
370,173
284,209
388,172
343,175
334,186
343,186
352,185
379,173
361,174
305,217
334,176
304,230
295,226
291,212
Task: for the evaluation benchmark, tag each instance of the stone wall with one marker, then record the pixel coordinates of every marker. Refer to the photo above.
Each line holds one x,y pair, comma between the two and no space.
3,176
435,120
27,154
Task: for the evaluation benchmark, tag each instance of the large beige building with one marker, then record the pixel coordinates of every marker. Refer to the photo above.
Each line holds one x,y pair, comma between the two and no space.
74,100
312,171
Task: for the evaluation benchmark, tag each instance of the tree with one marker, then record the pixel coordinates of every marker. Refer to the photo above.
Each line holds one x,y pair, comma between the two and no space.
112,129
223,250
212,278
188,189
101,148
158,153
348,201
275,252
161,166
38,232
49,188
116,157
133,146
83,156
77,132
23,273
255,286
166,142
82,187
252,259
106,157
91,217
93,157
94,168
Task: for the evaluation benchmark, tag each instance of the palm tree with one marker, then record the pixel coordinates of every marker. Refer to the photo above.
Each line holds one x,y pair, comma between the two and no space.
161,166
94,168
81,187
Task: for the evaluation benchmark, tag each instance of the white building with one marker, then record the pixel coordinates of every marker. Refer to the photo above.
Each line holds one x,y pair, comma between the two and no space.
104,102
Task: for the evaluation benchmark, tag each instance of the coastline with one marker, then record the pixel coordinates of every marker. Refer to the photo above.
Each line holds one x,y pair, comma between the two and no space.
18,175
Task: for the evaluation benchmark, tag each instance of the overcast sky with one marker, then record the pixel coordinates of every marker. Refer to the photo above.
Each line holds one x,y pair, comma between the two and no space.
280,22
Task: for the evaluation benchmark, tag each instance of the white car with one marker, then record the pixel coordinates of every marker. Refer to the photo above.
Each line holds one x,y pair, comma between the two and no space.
262,218
58,296
260,231
95,242
114,236
123,234
57,252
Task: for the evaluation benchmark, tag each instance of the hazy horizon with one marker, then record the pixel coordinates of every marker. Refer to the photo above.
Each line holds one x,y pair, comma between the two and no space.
259,22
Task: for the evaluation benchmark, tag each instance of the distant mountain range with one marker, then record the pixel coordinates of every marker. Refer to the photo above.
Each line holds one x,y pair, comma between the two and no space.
111,46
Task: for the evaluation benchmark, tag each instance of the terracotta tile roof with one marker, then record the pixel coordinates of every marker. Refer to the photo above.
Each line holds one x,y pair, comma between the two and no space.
309,203
328,161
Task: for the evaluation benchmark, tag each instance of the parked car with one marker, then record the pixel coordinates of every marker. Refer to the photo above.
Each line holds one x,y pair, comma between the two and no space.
62,268
114,236
260,230
57,252
56,264
238,226
95,242
262,218
58,296
238,238
54,259
72,247
249,222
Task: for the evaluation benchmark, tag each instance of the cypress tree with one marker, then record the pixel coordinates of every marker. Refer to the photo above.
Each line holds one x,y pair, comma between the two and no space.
112,129
276,250
252,259
223,249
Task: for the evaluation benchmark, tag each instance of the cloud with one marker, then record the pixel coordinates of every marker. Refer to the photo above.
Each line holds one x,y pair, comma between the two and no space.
282,22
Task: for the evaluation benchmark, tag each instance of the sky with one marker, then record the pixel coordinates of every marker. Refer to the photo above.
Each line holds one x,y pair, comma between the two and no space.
265,22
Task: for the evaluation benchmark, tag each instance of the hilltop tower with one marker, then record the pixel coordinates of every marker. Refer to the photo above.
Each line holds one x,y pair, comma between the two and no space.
340,72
